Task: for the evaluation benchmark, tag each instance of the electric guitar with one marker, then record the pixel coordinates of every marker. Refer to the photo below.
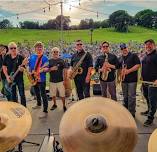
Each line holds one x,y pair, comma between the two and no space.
8,85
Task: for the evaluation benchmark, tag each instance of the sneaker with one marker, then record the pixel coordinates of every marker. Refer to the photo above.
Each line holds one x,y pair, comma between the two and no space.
43,115
145,113
53,107
64,109
148,123
36,107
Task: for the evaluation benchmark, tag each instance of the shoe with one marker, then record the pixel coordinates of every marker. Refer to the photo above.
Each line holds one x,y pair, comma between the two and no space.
36,107
43,115
53,107
64,109
145,113
148,123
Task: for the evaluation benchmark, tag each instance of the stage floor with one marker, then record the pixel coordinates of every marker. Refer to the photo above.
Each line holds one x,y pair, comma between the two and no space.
40,127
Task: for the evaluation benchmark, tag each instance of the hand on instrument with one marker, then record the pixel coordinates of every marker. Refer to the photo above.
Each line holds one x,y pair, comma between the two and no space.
126,71
21,69
54,68
8,79
87,79
155,82
44,70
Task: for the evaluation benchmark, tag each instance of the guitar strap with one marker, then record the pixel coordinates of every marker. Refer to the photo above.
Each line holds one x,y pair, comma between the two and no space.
37,63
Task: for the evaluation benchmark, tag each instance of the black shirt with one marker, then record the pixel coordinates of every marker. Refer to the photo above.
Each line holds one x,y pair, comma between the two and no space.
57,76
1,70
12,65
130,61
149,67
87,62
112,59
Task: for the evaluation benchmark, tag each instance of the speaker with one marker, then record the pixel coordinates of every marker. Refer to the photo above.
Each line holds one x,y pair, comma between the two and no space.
96,89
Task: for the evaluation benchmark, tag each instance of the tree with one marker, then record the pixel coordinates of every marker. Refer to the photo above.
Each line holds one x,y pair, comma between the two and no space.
105,24
66,22
120,20
145,18
29,25
84,24
51,24
5,24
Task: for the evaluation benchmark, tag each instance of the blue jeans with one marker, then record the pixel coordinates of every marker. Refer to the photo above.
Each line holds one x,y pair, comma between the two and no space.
20,86
129,94
111,86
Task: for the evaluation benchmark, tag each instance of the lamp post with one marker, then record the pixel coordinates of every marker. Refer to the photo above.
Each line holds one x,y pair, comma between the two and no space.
91,35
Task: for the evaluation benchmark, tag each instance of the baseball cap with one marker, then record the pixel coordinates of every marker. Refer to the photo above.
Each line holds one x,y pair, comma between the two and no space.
123,46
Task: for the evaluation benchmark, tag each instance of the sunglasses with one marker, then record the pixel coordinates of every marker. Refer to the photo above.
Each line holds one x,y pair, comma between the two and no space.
123,48
55,52
79,44
13,48
105,46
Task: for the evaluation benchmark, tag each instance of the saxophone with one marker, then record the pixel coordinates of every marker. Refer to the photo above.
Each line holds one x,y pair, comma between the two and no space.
77,69
106,70
124,67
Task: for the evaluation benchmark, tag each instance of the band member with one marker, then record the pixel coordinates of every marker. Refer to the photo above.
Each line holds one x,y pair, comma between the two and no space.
107,64
3,52
58,74
149,73
129,63
81,63
13,64
38,64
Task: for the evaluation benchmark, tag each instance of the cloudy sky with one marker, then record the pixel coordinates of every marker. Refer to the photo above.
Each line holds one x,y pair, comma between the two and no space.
34,9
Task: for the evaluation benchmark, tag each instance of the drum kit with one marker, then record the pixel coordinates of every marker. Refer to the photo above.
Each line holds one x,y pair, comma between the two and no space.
94,124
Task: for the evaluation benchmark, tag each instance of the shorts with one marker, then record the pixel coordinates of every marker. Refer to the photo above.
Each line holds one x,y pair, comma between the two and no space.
59,86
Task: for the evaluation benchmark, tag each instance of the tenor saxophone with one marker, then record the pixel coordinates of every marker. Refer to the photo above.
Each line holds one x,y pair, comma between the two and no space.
105,72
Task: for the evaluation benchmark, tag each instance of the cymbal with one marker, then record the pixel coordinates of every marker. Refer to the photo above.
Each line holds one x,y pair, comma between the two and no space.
98,124
15,123
152,146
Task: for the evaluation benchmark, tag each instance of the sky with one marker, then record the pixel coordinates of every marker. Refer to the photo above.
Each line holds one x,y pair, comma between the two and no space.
33,10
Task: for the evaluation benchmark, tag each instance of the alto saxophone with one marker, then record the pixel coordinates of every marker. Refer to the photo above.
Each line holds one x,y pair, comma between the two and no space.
105,70
77,69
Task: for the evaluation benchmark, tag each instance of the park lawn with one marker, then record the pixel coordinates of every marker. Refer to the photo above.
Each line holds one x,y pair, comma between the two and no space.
138,34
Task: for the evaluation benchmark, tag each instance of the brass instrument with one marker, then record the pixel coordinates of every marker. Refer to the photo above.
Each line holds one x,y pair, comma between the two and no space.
105,69
123,72
77,69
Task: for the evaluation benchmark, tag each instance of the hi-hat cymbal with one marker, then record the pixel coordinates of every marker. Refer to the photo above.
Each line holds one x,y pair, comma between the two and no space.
15,123
98,124
152,146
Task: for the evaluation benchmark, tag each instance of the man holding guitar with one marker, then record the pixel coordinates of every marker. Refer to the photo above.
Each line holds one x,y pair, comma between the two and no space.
38,65
13,70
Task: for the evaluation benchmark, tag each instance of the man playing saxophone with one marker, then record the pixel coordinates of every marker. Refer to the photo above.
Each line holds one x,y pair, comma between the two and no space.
81,66
107,64
129,63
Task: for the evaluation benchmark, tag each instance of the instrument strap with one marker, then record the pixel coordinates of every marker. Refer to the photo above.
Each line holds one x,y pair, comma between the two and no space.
37,63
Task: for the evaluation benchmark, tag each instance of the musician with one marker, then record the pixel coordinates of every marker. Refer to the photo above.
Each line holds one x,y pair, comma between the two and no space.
12,62
111,65
149,73
58,74
3,52
38,63
82,81
129,63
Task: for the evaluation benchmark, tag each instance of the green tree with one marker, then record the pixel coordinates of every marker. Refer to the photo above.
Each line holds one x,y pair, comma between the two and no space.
120,20
5,24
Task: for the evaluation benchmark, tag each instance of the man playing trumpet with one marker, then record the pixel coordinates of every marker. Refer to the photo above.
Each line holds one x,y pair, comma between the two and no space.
129,64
